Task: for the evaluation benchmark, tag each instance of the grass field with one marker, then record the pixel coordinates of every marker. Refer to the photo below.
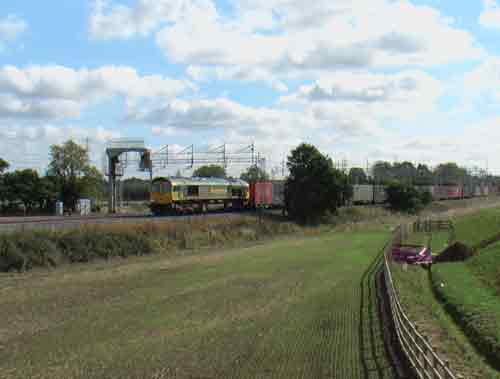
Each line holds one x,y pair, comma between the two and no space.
295,308
433,320
473,228
486,267
474,306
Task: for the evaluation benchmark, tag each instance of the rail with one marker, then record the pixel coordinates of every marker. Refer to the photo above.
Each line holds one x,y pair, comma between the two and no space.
417,348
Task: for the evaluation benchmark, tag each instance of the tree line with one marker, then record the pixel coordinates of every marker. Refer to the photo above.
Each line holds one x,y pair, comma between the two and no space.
69,177
407,173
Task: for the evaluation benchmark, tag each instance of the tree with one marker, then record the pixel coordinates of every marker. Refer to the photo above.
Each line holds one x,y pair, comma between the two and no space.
4,165
405,197
357,176
22,186
254,174
210,171
405,172
424,175
382,172
450,173
314,187
72,173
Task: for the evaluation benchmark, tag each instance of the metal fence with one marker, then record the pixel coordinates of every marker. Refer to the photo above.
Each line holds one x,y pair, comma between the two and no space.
417,348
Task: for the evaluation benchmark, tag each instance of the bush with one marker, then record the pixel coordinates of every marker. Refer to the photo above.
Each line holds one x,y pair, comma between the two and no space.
22,251
406,198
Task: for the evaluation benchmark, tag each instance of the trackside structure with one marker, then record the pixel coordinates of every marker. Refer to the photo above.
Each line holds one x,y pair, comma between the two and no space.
420,354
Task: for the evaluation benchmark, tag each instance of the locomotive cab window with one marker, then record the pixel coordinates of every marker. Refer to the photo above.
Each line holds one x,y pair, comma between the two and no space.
236,192
192,191
156,187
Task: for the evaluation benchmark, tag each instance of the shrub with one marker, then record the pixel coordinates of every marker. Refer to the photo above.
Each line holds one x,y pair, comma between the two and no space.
20,251
406,198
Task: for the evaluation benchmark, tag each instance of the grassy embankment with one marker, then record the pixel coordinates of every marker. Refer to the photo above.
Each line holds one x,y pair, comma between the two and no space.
469,291
284,309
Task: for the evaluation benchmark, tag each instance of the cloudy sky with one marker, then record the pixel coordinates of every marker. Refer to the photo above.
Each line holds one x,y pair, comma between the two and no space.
362,79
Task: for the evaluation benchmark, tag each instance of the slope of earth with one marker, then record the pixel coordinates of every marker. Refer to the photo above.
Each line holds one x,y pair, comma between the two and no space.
285,309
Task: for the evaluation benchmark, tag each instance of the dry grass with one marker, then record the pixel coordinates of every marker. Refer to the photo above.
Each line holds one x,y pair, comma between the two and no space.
283,309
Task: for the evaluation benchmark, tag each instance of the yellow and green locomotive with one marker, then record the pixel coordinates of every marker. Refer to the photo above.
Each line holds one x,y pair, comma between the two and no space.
180,195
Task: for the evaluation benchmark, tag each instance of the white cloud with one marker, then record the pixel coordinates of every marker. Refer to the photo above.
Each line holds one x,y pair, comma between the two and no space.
490,16
27,146
11,27
109,20
58,92
331,35
403,96
485,77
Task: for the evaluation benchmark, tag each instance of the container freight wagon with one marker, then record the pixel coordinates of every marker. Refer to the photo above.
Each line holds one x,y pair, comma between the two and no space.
268,194
369,194
447,192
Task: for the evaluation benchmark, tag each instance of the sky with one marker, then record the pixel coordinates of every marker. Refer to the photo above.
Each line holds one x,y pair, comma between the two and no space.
363,80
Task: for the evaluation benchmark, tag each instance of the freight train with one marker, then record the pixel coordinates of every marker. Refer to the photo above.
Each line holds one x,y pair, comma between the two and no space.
180,195
376,194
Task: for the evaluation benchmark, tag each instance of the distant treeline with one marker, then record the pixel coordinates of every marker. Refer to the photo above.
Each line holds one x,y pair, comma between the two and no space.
406,172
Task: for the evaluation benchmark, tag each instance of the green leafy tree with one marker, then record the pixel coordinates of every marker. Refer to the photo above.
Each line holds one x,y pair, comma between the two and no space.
406,198
74,176
254,174
450,173
405,172
22,186
357,176
314,187
424,175
210,171
382,172
4,165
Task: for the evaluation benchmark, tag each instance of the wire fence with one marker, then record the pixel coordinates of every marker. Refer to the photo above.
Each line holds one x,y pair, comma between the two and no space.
417,348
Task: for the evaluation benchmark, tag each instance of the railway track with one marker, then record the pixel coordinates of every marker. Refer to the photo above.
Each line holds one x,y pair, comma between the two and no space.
10,224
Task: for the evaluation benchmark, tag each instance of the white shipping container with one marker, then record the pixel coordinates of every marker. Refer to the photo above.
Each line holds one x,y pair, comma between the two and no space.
362,193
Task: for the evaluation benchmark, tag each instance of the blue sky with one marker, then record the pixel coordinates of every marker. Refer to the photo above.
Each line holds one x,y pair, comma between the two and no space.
362,79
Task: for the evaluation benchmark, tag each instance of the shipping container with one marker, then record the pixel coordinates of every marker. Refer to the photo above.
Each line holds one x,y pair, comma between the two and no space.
278,194
362,194
263,194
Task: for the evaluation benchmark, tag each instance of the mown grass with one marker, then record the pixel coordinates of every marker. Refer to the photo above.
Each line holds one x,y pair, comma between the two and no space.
486,267
284,309
474,228
449,340
475,307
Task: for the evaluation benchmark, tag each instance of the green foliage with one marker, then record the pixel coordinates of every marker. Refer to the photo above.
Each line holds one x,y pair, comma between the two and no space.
254,174
4,165
72,174
23,186
406,198
24,250
450,174
314,187
210,171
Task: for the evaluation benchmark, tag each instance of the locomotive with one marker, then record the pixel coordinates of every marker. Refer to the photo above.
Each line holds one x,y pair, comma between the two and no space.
180,195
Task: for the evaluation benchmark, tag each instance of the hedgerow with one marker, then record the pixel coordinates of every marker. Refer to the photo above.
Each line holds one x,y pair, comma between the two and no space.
24,250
